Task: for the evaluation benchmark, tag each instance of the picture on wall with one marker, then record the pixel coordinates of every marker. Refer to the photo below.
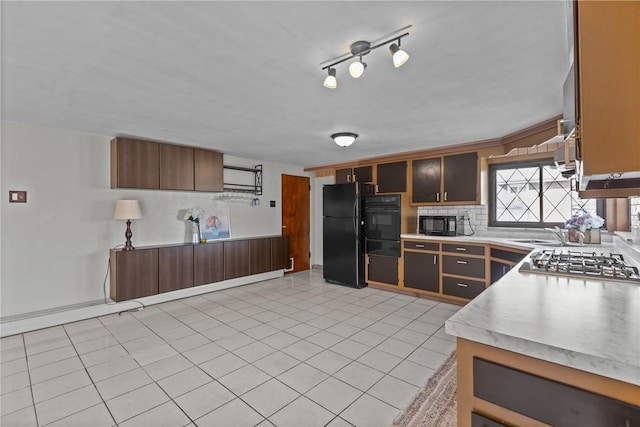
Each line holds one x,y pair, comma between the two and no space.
215,224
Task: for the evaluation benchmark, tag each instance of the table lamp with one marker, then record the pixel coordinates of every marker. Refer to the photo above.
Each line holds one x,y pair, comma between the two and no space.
127,209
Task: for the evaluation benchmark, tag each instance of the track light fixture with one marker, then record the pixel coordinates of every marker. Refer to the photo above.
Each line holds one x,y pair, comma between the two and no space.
330,81
361,48
344,139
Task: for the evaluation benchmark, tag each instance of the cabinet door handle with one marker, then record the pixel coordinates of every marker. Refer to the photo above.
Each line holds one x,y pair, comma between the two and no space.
435,259
463,285
461,262
354,178
437,197
504,270
445,196
461,249
419,246
348,178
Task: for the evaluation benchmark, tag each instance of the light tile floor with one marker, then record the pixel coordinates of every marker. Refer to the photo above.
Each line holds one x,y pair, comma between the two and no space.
292,351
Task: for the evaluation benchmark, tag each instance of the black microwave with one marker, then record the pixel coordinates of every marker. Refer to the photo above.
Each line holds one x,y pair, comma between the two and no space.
437,225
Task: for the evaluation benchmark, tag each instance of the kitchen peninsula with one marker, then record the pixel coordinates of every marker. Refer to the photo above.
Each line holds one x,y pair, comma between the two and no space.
540,350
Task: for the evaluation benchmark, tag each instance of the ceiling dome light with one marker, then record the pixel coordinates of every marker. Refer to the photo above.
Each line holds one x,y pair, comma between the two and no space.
344,139
357,68
330,81
399,55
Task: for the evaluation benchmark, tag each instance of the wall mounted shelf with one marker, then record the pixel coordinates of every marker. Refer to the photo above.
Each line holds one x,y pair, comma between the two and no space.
254,188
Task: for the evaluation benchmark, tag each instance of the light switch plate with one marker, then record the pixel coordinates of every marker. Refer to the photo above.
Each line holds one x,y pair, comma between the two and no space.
17,196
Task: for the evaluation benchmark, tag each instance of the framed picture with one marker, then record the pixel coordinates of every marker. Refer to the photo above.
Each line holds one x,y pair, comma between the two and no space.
215,225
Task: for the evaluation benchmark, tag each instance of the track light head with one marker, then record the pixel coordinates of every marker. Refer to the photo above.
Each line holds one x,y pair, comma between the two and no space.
330,81
356,69
399,55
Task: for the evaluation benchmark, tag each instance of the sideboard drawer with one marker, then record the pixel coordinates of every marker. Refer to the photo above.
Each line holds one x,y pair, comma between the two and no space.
463,266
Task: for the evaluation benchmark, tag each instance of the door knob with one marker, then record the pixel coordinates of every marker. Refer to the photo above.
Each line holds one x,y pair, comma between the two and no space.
284,226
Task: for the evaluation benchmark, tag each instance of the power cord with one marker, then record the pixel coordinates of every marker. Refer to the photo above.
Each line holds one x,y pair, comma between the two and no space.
104,289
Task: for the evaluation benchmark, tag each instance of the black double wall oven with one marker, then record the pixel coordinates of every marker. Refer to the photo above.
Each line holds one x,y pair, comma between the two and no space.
382,225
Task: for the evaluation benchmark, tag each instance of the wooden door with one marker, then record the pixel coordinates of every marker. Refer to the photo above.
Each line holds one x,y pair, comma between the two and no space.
343,176
296,219
176,167
425,180
392,177
363,174
208,170
460,177
421,271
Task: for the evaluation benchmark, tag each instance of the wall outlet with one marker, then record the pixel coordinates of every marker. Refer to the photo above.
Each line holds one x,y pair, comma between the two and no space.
468,215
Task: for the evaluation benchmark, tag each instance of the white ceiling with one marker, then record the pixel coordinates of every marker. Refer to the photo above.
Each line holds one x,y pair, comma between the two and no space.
245,77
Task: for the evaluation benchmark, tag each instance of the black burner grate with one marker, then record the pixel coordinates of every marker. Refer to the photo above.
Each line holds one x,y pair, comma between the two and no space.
591,264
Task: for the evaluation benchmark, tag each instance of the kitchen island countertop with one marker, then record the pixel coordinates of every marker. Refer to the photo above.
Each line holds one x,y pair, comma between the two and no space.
589,324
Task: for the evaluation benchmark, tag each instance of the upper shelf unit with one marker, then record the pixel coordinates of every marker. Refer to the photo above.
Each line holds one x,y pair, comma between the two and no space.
237,179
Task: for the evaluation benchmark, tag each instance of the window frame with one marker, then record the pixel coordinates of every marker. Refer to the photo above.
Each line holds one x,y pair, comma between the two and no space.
493,168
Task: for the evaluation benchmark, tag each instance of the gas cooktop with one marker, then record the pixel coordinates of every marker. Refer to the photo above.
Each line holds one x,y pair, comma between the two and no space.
586,264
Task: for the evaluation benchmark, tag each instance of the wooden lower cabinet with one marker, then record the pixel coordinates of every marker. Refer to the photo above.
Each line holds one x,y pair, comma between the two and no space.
134,274
208,263
236,259
463,288
502,388
148,271
499,269
383,269
259,256
175,268
422,271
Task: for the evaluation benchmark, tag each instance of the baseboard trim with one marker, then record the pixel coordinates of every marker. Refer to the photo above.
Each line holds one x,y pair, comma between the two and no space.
73,313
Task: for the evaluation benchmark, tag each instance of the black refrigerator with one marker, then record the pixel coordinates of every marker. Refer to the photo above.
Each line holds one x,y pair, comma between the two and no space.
343,233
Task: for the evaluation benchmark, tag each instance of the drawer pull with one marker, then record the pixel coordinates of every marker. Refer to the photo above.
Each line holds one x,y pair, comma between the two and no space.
461,262
461,249
463,285
419,246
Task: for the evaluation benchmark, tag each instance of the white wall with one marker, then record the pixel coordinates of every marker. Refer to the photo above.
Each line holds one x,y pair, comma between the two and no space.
55,247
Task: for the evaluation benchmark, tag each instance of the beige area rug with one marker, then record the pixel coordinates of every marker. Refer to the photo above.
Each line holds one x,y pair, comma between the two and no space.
435,405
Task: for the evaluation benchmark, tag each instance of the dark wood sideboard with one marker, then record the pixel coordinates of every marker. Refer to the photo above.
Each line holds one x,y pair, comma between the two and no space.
152,270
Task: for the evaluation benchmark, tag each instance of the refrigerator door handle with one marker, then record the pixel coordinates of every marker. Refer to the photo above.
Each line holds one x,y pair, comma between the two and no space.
355,218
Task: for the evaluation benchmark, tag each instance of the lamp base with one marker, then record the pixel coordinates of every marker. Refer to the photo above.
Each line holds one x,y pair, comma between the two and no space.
128,246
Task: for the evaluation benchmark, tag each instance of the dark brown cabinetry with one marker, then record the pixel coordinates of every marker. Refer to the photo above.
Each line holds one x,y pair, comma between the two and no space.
153,165
236,259
134,164
422,271
463,266
359,174
259,256
460,177
176,167
448,179
426,180
208,263
134,274
208,170
383,269
279,252
548,401
499,269
463,288
392,177
478,420
175,268
502,260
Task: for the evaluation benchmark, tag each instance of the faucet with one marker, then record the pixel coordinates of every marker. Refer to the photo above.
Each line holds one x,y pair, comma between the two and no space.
560,235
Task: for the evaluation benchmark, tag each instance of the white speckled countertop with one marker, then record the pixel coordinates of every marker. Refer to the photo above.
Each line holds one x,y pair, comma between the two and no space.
591,325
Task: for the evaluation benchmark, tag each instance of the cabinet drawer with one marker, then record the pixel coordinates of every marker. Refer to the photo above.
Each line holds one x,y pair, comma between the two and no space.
463,266
423,246
507,255
478,420
546,400
463,249
461,287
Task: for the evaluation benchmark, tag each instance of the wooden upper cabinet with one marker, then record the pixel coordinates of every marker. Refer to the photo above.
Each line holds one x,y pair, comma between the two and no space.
392,177
209,170
426,180
460,178
608,64
176,167
359,174
134,164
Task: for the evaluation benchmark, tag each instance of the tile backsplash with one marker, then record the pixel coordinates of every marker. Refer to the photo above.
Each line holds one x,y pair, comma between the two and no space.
478,215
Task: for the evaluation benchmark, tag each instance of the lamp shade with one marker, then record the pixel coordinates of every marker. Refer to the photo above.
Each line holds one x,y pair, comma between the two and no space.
127,209
330,81
356,69
399,56
344,139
